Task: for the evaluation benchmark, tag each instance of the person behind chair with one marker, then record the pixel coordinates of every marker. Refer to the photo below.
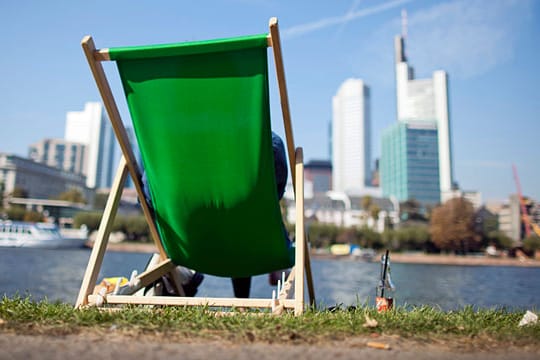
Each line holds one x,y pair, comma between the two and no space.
242,286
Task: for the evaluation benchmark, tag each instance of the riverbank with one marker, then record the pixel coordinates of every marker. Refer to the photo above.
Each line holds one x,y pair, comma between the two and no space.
405,258
43,330
30,330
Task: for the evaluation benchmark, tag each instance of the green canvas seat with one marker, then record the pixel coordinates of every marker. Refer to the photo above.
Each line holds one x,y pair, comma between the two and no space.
201,116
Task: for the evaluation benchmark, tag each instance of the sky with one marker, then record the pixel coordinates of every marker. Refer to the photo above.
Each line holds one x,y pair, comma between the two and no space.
490,50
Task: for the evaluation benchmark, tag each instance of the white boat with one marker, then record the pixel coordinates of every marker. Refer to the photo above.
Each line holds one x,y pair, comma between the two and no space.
36,235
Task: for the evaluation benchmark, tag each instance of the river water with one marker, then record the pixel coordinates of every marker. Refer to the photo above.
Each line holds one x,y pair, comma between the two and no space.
57,276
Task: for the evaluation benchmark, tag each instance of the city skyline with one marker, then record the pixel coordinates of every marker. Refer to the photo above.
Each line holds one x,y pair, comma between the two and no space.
488,48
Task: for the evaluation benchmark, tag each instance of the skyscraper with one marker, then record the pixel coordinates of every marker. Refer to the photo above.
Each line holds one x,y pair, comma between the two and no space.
425,101
351,137
92,128
409,162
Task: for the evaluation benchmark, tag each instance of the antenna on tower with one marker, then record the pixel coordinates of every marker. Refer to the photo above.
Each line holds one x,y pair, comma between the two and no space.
404,32
404,23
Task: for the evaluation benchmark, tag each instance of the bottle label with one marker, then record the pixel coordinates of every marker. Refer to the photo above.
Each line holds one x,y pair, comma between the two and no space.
384,304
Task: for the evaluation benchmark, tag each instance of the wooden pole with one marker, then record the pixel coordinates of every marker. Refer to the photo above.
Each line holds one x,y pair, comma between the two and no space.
300,240
105,226
120,132
284,98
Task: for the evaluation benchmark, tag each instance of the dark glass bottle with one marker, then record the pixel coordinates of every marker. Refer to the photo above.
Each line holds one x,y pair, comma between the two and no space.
384,299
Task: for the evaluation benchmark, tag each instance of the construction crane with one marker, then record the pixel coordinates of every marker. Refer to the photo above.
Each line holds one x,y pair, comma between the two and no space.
525,216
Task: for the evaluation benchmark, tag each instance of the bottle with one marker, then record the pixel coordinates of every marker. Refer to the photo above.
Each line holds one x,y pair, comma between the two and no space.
384,299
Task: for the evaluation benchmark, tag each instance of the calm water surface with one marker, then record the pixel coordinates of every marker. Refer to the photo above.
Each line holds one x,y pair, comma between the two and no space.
57,275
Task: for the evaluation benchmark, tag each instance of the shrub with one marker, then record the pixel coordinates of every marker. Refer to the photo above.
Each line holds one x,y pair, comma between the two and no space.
531,243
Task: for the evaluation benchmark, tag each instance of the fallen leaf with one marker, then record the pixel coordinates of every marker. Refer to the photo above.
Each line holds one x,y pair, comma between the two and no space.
370,323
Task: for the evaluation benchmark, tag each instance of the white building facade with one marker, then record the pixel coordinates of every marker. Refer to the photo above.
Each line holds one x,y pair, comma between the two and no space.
351,137
66,155
92,128
425,101
40,181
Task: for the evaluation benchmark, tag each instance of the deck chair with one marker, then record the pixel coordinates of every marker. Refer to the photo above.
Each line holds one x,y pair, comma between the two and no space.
200,111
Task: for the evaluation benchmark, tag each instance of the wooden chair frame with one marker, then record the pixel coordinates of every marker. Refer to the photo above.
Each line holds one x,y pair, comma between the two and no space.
128,164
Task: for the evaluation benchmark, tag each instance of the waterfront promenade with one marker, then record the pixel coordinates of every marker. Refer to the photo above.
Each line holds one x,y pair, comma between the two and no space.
405,258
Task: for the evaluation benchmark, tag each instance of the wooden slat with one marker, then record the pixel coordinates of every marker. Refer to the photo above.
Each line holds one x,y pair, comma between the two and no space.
275,42
191,301
149,276
300,240
102,55
105,226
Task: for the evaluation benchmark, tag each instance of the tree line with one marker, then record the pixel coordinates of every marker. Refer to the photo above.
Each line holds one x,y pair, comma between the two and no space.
451,227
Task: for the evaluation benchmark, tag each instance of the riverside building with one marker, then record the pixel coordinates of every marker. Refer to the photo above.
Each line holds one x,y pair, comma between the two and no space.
66,155
92,128
423,115
40,181
409,163
351,137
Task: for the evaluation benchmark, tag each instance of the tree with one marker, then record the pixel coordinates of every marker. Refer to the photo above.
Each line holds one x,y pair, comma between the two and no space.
452,226
499,239
367,238
374,210
412,210
2,188
366,202
33,216
100,200
531,243
90,219
19,192
72,195
322,235
16,213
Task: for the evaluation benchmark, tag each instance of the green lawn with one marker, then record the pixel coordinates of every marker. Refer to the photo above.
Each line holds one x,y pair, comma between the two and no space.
24,316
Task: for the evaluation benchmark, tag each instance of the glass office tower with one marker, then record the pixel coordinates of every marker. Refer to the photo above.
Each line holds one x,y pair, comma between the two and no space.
410,163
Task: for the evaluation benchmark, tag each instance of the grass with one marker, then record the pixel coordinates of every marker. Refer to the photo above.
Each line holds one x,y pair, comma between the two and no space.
24,316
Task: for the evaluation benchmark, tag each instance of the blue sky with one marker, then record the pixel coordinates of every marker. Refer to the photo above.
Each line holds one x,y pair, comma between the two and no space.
489,48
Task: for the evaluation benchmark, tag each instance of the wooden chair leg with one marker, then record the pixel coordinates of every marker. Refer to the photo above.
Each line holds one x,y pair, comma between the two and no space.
100,245
300,237
309,276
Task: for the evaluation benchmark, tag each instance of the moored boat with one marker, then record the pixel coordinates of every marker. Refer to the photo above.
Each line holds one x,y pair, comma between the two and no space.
36,235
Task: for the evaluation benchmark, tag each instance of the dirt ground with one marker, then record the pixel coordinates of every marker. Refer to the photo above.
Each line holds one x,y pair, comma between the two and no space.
124,347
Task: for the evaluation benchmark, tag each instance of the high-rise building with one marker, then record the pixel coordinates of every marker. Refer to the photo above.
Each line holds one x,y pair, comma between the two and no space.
319,174
425,101
92,128
66,155
351,137
409,162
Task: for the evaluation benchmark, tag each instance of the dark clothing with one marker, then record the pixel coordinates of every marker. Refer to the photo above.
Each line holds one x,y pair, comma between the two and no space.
241,286
280,164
